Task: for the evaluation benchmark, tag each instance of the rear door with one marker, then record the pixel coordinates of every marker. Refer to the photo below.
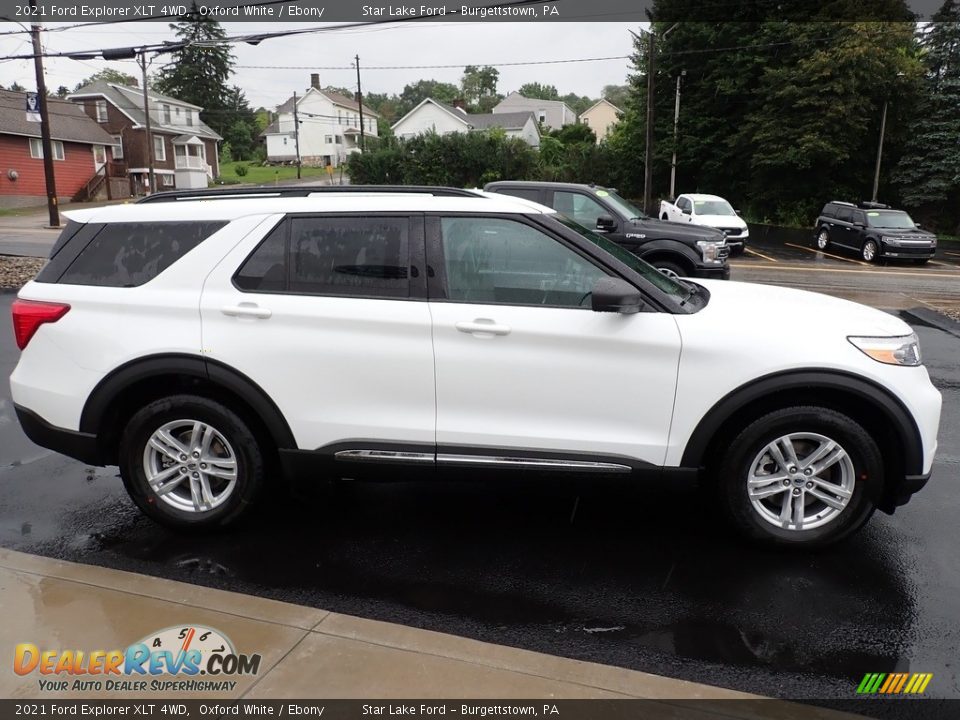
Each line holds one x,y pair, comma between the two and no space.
328,315
525,369
841,230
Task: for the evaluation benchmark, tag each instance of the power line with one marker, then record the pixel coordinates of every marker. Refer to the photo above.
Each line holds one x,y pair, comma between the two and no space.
430,67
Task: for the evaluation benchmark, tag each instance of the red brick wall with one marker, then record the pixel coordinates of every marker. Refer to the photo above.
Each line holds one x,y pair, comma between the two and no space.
71,173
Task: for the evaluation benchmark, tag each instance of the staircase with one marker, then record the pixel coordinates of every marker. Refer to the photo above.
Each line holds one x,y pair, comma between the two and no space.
93,186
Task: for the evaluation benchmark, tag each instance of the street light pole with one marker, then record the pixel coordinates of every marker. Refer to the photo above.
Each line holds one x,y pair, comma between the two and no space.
676,120
151,178
648,150
876,171
45,143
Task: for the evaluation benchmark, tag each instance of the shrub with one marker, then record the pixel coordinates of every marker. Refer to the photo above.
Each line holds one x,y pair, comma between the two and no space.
240,169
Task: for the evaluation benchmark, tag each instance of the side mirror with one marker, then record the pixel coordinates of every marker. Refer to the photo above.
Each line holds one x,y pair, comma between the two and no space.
616,295
687,211
917,225
605,223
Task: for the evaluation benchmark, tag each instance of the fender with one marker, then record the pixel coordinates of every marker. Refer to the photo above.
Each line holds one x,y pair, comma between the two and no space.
646,247
876,395
218,373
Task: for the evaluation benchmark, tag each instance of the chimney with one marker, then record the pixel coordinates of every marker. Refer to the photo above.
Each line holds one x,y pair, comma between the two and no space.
315,81
461,105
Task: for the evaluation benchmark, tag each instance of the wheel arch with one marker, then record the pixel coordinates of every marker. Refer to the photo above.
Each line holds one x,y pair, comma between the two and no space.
882,415
671,250
118,395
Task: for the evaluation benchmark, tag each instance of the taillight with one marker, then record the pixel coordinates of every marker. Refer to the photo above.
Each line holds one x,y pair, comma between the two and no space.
28,315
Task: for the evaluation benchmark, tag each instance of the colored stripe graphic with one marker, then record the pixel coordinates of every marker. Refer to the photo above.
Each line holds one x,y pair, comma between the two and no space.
894,683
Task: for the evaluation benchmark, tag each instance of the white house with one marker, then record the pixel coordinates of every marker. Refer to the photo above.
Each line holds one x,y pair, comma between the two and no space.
437,117
329,127
552,114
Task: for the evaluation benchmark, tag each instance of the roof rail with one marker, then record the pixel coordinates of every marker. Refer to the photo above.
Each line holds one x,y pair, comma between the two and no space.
303,191
842,202
873,205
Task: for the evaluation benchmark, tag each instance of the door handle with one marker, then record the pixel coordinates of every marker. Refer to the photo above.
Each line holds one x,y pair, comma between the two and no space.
250,310
483,327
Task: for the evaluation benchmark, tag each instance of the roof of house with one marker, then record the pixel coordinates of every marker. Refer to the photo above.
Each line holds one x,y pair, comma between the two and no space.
537,101
129,100
334,97
601,101
479,121
68,122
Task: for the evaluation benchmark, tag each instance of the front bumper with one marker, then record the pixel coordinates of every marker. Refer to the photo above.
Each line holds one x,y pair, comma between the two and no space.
719,272
920,253
79,445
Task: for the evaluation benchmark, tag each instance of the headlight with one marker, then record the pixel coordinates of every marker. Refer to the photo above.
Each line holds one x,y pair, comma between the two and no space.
890,240
901,350
709,250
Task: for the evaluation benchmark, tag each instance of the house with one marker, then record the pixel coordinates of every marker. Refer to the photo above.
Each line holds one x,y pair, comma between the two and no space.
433,116
79,148
552,114
329,128
601,117
184,147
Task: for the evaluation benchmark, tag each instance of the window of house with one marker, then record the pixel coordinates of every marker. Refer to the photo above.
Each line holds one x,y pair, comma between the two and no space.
176,111
166,114
36,149
542,116
101,111
284,140
491,260
166,179
338,139
189,117
117,147
159,148
328,139
366,257
99,154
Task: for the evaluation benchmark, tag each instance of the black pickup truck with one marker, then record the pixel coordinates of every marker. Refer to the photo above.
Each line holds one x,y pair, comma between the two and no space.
674,249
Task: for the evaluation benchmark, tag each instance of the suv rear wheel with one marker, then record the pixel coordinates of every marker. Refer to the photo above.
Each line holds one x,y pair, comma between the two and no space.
190,462
801,476
823,239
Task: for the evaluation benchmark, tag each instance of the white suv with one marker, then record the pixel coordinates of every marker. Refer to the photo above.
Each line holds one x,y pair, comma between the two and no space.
212,347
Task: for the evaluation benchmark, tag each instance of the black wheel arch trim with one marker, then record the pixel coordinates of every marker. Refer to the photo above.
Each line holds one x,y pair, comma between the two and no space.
121,378
666,245
865,389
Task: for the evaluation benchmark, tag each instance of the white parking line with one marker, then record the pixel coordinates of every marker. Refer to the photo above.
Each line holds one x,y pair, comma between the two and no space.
760,254
821,252
875,271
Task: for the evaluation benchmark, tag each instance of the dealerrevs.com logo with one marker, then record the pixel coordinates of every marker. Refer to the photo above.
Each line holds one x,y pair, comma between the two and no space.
175,659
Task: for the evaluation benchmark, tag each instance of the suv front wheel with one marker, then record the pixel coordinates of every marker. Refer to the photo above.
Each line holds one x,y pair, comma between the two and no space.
190,462
869,251
801,476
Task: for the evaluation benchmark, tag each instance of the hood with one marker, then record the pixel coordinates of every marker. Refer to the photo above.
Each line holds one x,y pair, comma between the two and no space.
676,230
774,307
906,234
722,221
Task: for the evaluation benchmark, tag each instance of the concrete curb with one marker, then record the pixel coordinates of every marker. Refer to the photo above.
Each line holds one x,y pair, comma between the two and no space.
927,316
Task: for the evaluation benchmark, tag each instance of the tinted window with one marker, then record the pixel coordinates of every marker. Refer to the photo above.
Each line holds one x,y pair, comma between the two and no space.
66,234
131,254
331,256
526,193
858,217
683,204
577,206
845,214
829,211
490,260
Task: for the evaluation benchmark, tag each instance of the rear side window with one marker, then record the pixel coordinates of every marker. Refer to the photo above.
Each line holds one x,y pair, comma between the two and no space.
124,254
349,256
829,211
845,214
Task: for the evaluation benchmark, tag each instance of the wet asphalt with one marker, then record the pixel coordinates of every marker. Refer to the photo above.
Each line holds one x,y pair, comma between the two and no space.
642,577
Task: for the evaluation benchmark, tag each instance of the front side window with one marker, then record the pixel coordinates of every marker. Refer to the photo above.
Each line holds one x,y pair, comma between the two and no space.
845,214
577,206
493,260
347,256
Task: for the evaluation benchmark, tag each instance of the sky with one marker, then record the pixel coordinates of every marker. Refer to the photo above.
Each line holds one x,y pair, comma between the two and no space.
436,43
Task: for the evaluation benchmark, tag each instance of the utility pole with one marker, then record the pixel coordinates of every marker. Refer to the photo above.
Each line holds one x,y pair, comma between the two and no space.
876,171
648,151
296,132
363,141
152,179
676,120
45,143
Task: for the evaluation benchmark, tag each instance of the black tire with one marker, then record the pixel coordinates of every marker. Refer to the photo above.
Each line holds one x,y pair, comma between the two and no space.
669,267
665,217
247,452
737,463
869,256
823,239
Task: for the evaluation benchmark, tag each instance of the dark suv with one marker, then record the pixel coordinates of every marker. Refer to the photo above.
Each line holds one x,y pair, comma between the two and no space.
675,250
873,230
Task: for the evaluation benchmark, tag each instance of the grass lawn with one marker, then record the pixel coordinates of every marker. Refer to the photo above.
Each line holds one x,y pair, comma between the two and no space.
259,175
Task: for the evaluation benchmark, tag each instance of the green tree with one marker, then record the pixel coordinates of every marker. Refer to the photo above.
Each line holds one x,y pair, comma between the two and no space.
478,83
616,94
110,75
198,74
928,174
415,93
541,92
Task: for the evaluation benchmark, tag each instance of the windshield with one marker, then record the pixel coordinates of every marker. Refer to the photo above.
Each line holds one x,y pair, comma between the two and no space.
624,207
890,219
713,207
678,290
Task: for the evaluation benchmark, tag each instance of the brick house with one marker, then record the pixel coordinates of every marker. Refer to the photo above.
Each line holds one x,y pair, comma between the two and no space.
185,148
79,152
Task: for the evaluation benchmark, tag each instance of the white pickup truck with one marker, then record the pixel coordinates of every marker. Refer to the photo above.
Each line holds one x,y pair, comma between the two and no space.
712,211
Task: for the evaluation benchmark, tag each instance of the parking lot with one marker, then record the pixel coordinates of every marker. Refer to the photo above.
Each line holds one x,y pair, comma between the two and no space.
641,577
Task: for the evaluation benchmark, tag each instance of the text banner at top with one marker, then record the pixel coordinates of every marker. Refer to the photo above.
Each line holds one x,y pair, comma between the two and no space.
339,11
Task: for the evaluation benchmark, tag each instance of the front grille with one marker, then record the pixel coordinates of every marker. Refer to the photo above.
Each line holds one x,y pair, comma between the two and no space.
723,252
731,231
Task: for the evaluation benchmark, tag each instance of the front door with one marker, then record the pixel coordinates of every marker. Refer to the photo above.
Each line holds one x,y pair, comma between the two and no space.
327,316
524,366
